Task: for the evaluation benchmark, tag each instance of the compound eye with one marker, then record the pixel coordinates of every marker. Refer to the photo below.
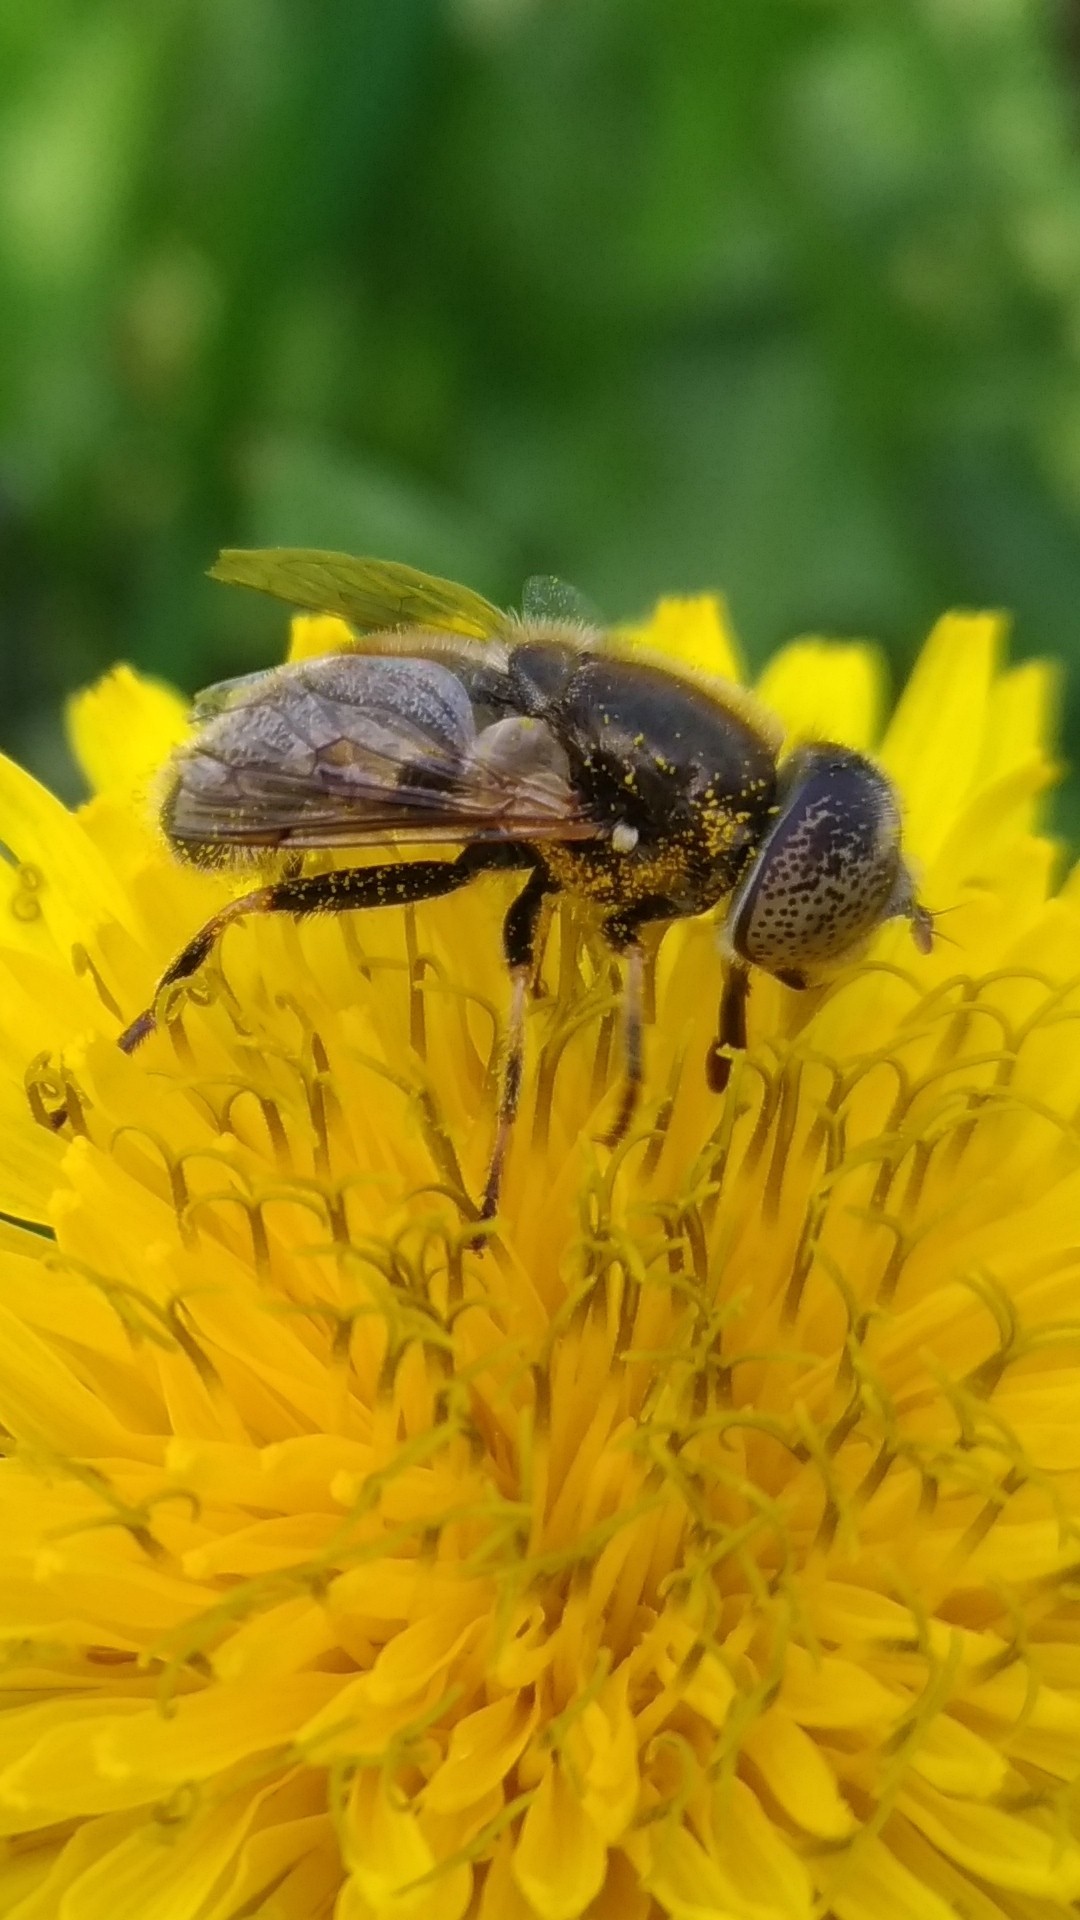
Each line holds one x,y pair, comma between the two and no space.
829,871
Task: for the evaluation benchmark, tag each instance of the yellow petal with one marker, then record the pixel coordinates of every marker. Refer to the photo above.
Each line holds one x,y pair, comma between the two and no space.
692,632
502,1898
622,1897
290,1476
763,1866
287,1871
313,634
388,1855
927,1867
953,1758
1022,720
22,1244
105,1584
861,1615
79,1855
824,691
1042,1411
282,1640
75,890
207,1732
47,1404
483,1747
140,1879
52,1777
796,1771
869,1883
935,741
123,729
1018,1854
687,1880
264,1547
604,1750
987,825
832,1692
710,1690
30,1160
425,1649
560,1859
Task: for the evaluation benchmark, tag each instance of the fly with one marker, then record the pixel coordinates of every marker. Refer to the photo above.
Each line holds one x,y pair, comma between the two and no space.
541,744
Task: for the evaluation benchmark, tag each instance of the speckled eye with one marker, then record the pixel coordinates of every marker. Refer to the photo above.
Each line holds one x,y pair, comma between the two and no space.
829,871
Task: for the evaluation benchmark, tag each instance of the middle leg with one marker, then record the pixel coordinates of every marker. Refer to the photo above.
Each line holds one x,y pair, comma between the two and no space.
519,942
731,1031
621,932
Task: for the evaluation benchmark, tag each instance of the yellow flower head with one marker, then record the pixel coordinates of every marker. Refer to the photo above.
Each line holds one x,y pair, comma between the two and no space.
706,1544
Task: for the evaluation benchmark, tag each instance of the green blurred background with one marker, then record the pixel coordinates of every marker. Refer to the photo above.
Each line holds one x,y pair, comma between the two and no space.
780,296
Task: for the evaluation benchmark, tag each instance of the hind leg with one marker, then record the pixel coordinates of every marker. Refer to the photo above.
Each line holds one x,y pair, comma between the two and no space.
346,890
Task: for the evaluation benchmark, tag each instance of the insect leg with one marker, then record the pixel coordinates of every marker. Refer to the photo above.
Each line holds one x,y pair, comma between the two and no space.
621,933
633,1044
392,884
519,939
731,1033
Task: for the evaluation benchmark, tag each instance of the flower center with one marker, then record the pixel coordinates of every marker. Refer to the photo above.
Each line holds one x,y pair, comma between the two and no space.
677,1445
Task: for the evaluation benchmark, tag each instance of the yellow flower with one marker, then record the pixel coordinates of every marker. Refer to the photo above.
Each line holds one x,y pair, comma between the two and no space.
707,1545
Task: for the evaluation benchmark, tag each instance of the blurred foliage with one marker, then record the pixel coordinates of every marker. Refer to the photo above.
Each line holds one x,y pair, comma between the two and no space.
781,296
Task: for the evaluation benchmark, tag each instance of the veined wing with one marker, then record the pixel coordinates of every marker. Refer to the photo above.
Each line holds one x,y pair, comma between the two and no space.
374,595
354,749
545,597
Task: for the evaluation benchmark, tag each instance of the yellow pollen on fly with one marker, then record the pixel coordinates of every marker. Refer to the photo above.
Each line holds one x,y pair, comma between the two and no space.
700,1538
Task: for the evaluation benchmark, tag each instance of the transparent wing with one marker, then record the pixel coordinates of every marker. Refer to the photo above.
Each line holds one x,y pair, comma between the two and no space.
227,693
374,595
353,749
545,597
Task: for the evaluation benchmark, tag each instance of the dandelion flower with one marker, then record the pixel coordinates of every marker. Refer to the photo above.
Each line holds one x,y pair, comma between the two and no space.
705,1545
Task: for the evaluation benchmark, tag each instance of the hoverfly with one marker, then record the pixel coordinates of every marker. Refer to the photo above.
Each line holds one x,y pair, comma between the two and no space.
536,743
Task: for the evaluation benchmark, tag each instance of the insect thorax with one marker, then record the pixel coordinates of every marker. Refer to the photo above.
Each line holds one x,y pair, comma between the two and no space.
686,784
691,865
